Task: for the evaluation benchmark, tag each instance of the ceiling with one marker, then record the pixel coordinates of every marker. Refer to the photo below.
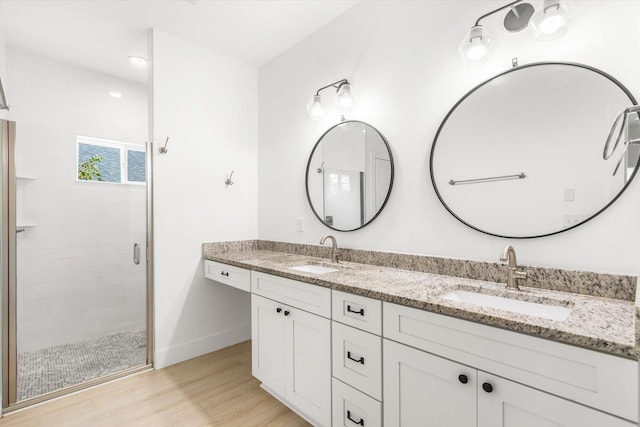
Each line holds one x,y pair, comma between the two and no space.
101,34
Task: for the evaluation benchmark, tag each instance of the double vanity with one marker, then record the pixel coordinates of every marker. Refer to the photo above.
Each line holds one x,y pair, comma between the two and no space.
385,341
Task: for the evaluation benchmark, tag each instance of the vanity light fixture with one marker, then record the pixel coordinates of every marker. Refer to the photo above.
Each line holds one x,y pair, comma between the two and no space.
476,45
549,22
345,99
552,20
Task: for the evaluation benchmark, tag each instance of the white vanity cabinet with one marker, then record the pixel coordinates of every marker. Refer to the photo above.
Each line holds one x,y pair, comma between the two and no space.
236,277
442,379
504,403
345,360
291,344
357,360
421,389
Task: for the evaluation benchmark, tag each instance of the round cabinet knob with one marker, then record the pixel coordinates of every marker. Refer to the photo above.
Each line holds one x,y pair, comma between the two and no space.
278,310
487,387
463,378
286,312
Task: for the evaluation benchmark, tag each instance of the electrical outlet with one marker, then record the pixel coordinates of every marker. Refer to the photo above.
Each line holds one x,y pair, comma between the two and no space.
300,224
569,194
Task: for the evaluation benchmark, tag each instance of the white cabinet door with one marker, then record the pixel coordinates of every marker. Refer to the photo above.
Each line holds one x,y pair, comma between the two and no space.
268,343
308,364
502,403
424,390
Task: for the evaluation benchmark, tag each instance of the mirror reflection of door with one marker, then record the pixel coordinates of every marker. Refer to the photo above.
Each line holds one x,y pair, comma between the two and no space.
349,175
343,198
378,173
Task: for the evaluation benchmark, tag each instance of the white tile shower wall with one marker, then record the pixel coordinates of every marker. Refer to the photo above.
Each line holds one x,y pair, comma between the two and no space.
403,61
207,104
76,278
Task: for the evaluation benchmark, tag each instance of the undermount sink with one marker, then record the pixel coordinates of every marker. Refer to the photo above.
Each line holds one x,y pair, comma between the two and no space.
314,269
546,311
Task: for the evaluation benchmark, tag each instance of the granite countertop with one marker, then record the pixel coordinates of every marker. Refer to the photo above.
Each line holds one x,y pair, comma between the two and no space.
603,324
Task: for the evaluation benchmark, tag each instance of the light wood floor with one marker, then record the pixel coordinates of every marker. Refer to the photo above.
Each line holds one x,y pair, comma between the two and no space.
216,389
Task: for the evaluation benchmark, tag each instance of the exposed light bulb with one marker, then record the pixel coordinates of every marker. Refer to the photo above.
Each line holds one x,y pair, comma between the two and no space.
476,45
551,20
477,52
552,24
314,108
346,98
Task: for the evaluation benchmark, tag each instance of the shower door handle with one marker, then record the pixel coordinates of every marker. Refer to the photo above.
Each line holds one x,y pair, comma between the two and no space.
136,253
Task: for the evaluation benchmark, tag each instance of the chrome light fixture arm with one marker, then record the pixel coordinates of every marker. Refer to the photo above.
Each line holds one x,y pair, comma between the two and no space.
335,85
345,99
498,10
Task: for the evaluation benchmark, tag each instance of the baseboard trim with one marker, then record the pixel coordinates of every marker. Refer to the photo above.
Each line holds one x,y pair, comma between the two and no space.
194,348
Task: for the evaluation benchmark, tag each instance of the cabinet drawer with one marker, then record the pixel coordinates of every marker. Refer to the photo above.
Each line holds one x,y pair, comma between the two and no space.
357,359
595,379
352,408
311,298
228,274
357,311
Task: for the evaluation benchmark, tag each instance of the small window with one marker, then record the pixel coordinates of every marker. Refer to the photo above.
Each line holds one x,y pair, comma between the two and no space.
110,161
136,166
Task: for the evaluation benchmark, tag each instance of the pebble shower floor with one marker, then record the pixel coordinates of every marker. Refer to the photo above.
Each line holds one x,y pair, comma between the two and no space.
53,368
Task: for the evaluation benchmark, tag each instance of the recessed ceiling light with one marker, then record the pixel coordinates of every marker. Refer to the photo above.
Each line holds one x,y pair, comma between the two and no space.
138,60
115,94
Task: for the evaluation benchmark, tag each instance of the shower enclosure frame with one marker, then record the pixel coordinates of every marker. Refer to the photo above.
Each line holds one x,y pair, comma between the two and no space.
9,279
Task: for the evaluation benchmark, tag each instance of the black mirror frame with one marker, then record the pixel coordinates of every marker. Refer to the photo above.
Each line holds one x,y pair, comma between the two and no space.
535,64
306,178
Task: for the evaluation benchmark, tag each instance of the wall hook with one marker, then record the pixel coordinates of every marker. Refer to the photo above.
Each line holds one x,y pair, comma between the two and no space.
164,150
228,181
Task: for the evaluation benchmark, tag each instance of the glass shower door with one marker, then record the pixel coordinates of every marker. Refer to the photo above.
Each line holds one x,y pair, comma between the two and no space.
80,288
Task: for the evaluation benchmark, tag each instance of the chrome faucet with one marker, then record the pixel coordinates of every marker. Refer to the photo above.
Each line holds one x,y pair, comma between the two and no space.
335,252
508,255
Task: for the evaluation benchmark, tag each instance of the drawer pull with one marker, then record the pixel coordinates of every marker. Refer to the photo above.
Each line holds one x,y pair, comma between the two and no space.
487,387
360,361
286,312
463,378
360,423
278,310
360,312
224,273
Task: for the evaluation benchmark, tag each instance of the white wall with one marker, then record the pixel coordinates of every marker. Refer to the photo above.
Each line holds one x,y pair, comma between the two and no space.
402,59
76,279
3,62
207,104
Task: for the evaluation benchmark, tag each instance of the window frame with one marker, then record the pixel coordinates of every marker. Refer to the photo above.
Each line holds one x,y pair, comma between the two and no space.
123,147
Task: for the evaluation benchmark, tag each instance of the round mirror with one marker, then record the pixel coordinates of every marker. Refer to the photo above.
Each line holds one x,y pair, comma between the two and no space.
349,175
521,155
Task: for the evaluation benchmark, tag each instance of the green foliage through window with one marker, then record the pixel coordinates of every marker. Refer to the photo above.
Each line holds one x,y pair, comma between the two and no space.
88,171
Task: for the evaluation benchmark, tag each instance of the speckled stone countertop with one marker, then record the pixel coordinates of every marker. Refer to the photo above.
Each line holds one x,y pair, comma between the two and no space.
603,324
